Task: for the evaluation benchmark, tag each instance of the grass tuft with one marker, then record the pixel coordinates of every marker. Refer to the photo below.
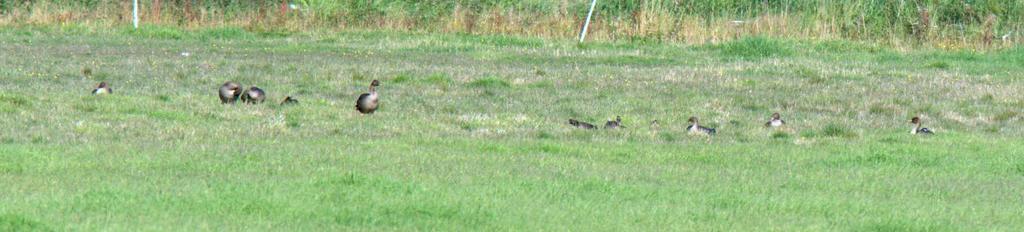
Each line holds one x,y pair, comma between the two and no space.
490,82
440,79
13,101
157,32
1005,116
881,109
13,222
938,65
836,130
225,33
752,48
780,135
359,76
163,98
401,78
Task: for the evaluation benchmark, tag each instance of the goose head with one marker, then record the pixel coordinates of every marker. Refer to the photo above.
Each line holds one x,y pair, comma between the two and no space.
373,86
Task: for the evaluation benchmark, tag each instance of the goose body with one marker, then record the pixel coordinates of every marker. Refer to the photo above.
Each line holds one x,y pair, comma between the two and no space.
289,100
614,124
695,128
581,125
102,88
254,95
368,102
229,92
918,129
775,121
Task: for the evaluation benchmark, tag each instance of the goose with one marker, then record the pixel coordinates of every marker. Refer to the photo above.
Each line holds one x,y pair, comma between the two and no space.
254,95
918,130
614,124
102,88
289,100
367,102
581,125
775,121
229,92
695,128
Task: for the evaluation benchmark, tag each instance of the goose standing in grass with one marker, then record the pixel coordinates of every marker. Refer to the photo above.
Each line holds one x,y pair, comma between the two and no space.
614,124
775,121
102,88
695,128
918,130
367,102
581,125
229,92
289,100
254,95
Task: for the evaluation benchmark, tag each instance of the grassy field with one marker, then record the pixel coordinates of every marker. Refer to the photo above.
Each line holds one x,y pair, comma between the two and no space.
472,135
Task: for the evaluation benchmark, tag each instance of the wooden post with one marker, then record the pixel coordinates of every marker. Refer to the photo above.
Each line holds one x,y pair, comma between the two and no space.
188,10
284,7
155,12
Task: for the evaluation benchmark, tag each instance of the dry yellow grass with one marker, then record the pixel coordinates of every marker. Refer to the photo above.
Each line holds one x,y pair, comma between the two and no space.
647,20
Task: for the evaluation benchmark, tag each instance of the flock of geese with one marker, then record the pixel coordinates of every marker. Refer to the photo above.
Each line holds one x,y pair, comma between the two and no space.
367,103
695,128
230,92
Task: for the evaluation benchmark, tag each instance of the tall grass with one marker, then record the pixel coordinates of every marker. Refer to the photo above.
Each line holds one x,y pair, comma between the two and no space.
943,23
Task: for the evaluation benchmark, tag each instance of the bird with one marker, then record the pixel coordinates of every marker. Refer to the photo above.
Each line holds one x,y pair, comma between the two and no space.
918,130
87,72
775,121
289,100
695,128
254,95
614,124
102,88
367,102
229,92
581,125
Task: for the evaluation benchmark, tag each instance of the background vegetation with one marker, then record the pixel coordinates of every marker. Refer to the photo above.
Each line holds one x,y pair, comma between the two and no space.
903,23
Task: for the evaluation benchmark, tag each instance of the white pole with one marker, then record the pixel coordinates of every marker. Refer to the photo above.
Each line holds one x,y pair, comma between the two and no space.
583,33
135,13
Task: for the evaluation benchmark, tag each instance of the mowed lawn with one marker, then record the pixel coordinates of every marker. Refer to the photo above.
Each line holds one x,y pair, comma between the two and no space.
472,134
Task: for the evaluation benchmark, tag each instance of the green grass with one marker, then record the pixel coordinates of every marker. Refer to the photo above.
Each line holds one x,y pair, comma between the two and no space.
753,48
472,135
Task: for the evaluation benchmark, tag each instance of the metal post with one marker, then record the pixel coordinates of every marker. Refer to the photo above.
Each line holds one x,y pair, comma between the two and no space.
135,13
583,33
